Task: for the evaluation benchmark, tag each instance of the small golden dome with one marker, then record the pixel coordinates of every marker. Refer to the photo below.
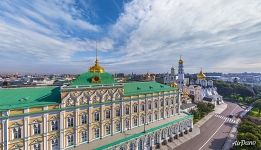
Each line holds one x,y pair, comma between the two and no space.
201,75
181,60
174,84
97,68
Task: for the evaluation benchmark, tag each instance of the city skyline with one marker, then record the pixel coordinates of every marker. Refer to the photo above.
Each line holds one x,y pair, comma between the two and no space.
132,36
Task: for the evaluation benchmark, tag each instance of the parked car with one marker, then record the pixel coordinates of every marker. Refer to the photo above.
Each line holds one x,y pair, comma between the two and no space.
230,116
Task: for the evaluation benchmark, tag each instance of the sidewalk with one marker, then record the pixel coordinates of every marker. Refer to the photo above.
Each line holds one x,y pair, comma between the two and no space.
181,140
218,109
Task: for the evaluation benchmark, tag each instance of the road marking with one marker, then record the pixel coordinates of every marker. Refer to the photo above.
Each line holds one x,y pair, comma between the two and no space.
225,118
215,131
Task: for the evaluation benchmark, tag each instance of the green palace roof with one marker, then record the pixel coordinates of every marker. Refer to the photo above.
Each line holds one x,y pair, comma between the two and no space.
15,98
134,88
86,78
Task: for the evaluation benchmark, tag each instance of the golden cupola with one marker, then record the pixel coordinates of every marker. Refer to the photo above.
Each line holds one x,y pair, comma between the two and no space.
201,75
180,60
96,68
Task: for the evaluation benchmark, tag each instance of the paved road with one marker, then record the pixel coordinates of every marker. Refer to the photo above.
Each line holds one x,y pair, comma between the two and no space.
214,132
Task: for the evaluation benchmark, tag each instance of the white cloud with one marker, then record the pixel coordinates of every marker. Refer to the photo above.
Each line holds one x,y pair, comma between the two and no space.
148,36
202,31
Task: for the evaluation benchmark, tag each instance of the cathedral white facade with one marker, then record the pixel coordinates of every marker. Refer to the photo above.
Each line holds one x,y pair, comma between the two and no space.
192,91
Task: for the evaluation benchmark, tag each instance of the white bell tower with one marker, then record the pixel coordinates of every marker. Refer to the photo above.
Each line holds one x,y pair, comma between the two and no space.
181,74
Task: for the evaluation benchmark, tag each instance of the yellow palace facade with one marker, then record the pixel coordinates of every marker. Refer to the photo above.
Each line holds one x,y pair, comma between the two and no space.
92,110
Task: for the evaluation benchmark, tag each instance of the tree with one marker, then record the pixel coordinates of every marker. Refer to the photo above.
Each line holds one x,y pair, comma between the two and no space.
257,104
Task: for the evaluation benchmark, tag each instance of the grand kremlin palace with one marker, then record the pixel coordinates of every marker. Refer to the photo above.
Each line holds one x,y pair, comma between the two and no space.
93,112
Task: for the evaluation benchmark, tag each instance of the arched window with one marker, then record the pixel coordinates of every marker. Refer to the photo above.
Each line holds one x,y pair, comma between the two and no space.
155,116
142,107
37,146
96,116
97,133
150,117
54,125
135,122
135,108
55,144
140,145
84,135
84,118
127,110
155,104
17,133
162,114
149,105
118,126
127,123
108,129
162,103
132,146
70,140
107,114
70,121
37,128
142,119
118,112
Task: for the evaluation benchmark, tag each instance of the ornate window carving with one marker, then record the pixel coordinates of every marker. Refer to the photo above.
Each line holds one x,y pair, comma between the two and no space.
118,112
54,125
84,118
36,128
84,136
108,129
37,146
70,121
135,108
17,132
97,133
127,110
96,116
118,126
108,114
70,141
55,144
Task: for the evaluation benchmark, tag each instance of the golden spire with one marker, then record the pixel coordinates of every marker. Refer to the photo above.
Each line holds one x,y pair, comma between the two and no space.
201,75
180,60
96,68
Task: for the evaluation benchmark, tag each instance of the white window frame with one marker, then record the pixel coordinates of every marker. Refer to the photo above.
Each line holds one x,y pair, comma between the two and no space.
55,144
84,118
70,122
70,140
37,146
84,136
54,125
96,116
37,128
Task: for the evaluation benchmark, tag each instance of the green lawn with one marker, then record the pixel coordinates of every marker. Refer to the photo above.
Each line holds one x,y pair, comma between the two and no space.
254,113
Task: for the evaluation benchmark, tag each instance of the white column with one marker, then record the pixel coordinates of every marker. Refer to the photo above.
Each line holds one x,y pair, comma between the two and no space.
89,123
26,130
5,132
62,126
122,120
130,123
179,98
45,129
76,130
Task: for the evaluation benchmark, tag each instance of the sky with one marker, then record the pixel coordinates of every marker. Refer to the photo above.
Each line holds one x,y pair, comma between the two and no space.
60,36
